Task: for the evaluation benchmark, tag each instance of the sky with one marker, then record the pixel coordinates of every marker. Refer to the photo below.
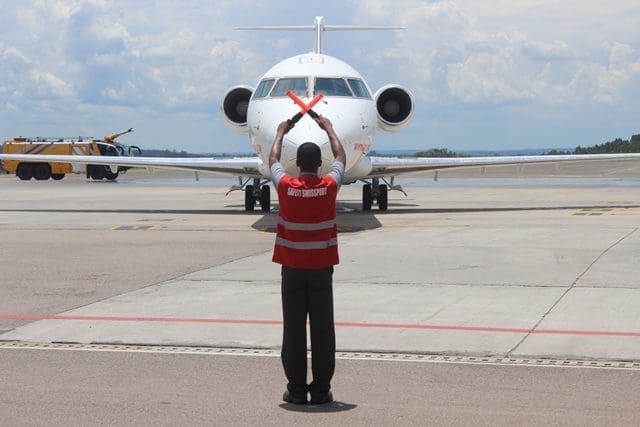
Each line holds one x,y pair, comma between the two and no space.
485,75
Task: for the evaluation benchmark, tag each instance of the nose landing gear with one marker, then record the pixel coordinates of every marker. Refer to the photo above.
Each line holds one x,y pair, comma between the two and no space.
378,193
259,192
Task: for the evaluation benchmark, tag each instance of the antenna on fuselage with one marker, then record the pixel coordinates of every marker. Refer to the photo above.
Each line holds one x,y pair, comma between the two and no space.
319,27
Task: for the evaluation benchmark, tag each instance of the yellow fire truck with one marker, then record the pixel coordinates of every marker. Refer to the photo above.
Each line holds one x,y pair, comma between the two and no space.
66,146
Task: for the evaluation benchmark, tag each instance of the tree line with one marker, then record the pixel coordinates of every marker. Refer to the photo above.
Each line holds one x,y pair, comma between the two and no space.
439,152
618,145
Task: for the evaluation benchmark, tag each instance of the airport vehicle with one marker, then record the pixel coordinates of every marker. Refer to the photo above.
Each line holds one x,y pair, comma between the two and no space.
348,102
43,170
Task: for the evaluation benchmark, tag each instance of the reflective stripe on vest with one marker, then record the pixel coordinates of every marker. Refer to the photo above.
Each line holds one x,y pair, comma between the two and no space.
306,235
306,245
301,226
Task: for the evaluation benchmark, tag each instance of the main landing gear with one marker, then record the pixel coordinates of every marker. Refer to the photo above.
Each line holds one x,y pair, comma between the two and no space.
378,193
259,192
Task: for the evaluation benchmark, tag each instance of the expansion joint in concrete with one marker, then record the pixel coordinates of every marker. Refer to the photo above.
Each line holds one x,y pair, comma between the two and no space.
569,288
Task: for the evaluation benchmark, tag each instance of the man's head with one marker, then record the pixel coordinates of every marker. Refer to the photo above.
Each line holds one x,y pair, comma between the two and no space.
309,157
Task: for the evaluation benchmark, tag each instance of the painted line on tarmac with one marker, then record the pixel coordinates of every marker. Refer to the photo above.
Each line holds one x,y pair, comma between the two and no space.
485,329
534,362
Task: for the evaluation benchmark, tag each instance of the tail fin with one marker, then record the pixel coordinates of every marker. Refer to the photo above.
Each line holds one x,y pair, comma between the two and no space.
319,27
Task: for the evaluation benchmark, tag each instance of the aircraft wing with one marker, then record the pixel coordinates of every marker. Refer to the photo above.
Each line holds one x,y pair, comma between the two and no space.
394,166
240,166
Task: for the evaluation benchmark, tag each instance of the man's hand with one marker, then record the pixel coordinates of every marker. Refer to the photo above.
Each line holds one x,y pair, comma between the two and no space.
324,123
284,128
336,146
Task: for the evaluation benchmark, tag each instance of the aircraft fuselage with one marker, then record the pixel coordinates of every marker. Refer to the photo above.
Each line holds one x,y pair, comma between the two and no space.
353,117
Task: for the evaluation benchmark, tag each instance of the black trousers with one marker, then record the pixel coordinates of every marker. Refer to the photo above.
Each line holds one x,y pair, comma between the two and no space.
308,291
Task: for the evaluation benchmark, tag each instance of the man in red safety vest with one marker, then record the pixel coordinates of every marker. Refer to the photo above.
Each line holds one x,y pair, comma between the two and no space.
307,247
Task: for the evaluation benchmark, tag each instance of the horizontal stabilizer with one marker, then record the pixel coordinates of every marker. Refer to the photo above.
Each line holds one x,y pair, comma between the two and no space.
320,28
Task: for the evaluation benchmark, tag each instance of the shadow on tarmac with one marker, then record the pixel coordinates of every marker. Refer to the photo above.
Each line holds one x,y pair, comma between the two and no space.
138,211
344,209
412,210
334,406
348,222
350,217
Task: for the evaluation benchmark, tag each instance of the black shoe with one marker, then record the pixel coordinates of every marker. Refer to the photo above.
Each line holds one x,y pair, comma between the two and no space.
296,400
323,398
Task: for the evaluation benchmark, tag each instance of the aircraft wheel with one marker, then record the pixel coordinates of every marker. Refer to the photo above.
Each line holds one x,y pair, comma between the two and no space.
97,172
249,198
265,198
383,198
42,171
24,171
57,176
367,198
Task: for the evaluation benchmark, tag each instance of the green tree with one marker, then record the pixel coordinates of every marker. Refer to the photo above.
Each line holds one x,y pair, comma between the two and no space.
438,152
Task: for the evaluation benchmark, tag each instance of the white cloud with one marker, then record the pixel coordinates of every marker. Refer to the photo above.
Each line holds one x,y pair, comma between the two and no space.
11,55
556,50
47,85
457,51
110,51
103,61
481,78
622,56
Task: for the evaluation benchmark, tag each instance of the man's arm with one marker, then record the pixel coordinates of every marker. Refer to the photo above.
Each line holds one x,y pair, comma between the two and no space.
276,148
336,145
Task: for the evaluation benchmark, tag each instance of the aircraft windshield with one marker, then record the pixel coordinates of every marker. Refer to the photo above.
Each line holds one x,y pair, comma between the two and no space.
359,89
331,87
297,85
263,88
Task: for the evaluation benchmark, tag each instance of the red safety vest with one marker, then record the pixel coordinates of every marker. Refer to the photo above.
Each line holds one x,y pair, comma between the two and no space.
307,236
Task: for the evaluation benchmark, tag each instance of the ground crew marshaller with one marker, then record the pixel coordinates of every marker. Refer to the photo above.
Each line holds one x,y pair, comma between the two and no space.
307,247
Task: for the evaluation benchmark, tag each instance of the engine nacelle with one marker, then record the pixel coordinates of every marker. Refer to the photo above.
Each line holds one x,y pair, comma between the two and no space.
234,107
395,107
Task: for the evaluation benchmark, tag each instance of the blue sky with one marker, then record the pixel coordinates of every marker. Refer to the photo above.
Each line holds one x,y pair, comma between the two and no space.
485,75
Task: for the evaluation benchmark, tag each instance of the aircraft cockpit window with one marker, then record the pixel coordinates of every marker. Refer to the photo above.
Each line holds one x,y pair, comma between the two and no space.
263,88
359,89
331,87
297,85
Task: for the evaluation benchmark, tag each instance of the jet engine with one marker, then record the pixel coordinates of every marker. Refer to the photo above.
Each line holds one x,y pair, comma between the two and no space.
395,107
234,107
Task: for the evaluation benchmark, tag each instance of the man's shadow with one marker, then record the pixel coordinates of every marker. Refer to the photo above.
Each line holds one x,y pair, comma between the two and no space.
334,406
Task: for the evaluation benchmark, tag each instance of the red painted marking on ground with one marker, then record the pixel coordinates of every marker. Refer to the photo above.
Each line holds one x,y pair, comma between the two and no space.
485,329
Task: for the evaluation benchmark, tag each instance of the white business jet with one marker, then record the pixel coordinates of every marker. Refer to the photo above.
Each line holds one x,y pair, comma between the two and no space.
347,101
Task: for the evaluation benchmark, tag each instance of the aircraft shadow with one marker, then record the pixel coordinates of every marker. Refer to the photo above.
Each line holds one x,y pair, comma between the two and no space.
138,211
350,217
347,222
410,209
334,406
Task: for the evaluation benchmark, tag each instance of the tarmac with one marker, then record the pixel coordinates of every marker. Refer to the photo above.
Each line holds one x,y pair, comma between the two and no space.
488,275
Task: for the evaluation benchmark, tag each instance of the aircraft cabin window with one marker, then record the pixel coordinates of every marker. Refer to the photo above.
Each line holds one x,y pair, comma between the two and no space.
331,87
359,89
297,85
263,88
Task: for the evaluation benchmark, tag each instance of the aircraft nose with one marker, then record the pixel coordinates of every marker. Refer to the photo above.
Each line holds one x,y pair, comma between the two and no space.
305,131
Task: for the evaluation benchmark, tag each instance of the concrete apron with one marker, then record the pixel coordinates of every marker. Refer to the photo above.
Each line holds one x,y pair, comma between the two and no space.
492,290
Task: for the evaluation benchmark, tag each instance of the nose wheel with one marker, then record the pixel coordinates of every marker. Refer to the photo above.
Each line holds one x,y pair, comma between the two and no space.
257,194
375,192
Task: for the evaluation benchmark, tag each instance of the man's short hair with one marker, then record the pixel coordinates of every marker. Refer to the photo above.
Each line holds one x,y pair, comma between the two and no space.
309,156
